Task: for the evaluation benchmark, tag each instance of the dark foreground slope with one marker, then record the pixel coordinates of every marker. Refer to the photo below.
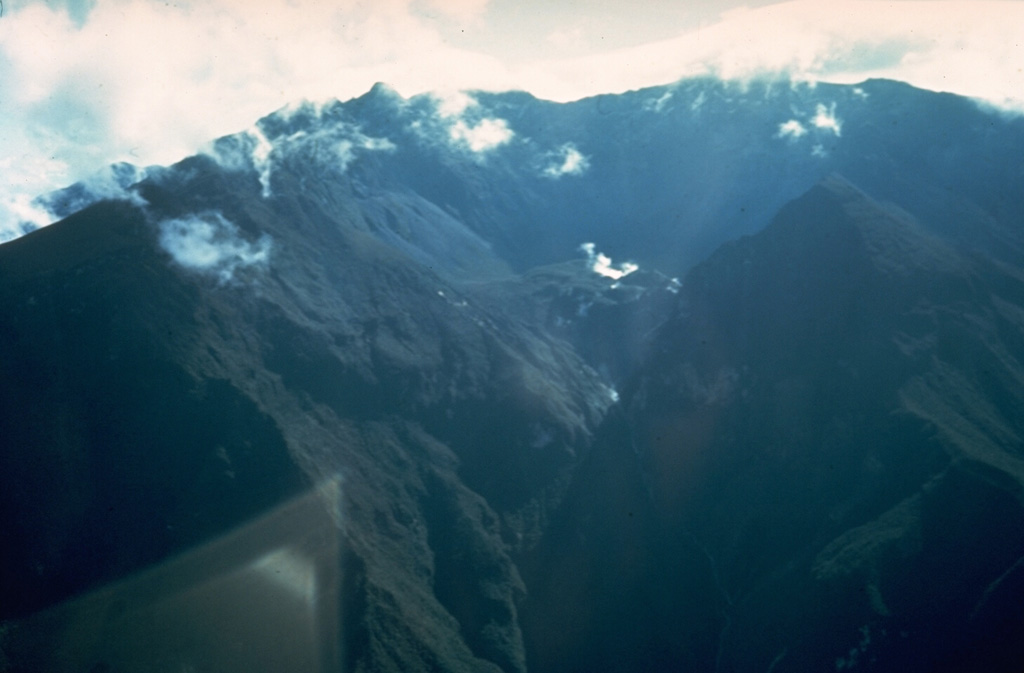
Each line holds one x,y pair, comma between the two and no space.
343,393
820,467
149,406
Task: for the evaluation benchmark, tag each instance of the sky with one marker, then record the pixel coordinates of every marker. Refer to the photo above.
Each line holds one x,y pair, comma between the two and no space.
85,83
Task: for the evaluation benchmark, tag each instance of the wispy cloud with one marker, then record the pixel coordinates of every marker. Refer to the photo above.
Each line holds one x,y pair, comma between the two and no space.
150,82
109,183
658,104
452,104
825,118
330,144
822,123
209,243
601,264
481,136
972,47
462,122
25,215
791,129
567,160
260,156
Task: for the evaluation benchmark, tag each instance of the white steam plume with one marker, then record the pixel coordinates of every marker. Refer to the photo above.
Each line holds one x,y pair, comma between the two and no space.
209,243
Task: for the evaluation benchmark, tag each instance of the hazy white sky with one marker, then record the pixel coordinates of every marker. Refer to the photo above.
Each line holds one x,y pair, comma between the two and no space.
88,82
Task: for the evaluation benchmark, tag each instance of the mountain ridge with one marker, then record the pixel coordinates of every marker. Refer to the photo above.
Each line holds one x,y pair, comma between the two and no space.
773,367
779,379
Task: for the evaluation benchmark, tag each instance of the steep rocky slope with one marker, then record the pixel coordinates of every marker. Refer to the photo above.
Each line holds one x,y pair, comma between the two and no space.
818,467
355,360
152,405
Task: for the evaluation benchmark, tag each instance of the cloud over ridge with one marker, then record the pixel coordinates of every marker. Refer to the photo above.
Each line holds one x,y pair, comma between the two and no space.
92,83
455,119
317,137
481,136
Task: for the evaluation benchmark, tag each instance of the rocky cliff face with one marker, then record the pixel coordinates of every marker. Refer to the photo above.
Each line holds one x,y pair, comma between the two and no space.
800,451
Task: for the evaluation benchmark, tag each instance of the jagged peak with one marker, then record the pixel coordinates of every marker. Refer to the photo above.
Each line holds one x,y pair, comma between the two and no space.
383,91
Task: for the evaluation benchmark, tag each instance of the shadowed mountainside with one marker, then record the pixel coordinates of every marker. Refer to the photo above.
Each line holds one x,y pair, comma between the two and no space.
791,440
151,407
820,466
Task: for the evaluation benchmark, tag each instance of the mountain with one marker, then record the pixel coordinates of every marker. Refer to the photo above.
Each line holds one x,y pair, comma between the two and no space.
709,376
819,465
170,404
